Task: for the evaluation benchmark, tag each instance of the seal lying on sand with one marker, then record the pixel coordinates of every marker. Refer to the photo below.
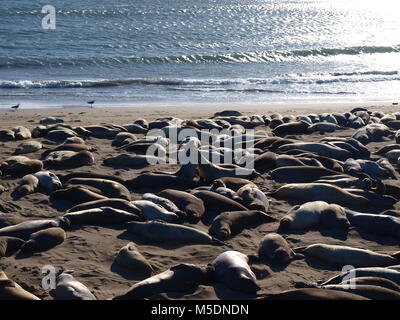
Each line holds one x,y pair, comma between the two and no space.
228,224
100,216
313,213
275,248
319,191
10,245
10,290
180,278
342,255
162,231
68,288
232,269
130,257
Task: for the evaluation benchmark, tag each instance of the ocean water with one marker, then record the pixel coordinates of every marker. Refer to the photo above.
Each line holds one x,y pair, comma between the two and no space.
199,51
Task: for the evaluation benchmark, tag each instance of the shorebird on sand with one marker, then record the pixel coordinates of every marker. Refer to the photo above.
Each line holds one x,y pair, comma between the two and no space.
91,103
15,107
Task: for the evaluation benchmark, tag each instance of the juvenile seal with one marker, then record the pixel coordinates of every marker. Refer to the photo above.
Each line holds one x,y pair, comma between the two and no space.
10,290
376,224
21,133
100,216
322,149
161,231
69,158
228,224
48,180
274,247
298,174
369,291
130,257
232,269
133,161
296,127
152,211
313,213
120,204
216,203
164,202
192,206
28,147
21,167
29,184
24,229
342,255
180,278
44,240
235,183
320,191
253,198
76,195
108,188
68,288
91,175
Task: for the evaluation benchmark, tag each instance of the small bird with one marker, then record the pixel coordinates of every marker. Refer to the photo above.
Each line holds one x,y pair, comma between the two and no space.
15,107
91,103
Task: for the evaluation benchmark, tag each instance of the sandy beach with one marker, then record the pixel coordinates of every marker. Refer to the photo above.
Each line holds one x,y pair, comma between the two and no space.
90,250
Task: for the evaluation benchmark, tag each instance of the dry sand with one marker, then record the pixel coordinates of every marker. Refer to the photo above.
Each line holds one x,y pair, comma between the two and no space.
90,251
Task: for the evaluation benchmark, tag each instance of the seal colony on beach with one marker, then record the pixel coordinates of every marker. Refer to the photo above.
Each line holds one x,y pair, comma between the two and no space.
274,215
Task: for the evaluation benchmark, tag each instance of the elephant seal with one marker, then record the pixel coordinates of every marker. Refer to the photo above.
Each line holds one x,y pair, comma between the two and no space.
21,167
60,134
108,188
235,183
7,135
44,240
11,219
313,294
152,211
90,175
48,180
130,257
161,231
265,162
232,269
313,213
76,147
300,174
29,184
76,195
342,255
228,224
10,245
379,272
24,229
120,204
253,198
69,158
209,172
216,203
28,147
10,290
180,278
164,202
100,216
296,127
376,224
369,291
103,132
21,133
320,191
275,248
133,161
374,281
68,288
151,179
74,140
322,149
192,206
